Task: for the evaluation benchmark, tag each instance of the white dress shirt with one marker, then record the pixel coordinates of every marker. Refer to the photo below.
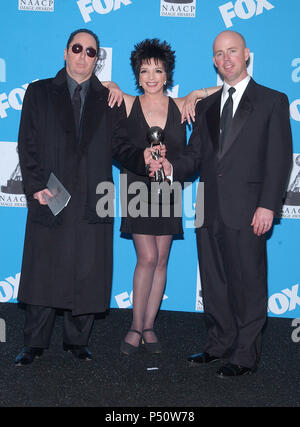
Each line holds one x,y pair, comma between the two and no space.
237,95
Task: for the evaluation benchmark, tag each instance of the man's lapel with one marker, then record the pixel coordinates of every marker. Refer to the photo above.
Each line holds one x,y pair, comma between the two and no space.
240,118
62,102
93,113
213,120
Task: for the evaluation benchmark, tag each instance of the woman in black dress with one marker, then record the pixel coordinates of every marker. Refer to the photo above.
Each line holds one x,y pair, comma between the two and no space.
153,64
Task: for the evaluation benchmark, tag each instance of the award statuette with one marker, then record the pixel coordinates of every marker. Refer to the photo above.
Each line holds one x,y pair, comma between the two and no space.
161,191
155,136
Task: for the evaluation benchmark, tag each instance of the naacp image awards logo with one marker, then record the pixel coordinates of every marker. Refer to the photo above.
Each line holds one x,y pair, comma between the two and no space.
178,8
37,5
291,206
11,185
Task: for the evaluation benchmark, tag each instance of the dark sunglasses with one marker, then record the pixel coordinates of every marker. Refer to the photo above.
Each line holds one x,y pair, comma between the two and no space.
90,51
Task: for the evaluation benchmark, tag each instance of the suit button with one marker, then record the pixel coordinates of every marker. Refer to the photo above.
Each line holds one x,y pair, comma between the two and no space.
220,175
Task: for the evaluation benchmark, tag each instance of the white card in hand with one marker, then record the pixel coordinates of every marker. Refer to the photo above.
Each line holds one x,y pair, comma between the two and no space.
60,197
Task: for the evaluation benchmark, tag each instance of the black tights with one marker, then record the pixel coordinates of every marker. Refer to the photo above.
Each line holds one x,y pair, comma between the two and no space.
148,283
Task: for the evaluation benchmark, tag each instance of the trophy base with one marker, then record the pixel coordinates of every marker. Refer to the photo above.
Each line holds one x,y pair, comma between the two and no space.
161,192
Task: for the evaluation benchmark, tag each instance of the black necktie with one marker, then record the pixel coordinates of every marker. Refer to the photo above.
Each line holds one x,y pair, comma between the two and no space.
226,118
76,102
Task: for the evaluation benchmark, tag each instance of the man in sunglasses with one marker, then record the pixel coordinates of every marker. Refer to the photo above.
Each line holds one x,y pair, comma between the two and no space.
67,128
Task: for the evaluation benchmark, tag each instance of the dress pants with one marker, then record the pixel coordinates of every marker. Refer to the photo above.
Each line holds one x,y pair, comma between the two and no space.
39,324
234,287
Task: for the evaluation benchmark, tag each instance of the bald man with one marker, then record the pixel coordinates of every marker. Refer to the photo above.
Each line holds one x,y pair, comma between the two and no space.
241,143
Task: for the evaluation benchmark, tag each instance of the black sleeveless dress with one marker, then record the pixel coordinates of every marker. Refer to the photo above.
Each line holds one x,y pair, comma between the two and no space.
175,141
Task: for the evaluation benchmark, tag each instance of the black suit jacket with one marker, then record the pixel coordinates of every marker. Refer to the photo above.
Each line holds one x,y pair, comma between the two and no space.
255,166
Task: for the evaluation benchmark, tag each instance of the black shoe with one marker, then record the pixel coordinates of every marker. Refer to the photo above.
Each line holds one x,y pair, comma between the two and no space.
79,351
152,347
27,355
202,359
231,370
127,348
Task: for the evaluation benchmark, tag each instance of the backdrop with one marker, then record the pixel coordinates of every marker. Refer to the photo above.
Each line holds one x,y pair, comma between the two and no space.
33,37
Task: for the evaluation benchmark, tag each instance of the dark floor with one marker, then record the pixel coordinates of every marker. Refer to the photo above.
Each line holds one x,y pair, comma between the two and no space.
113,380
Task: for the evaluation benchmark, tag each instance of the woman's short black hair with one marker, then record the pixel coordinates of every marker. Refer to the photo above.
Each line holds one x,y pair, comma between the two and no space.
84,30
153,48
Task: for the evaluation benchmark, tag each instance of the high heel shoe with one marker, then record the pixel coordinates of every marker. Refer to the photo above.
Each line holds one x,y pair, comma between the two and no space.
152,347
127,348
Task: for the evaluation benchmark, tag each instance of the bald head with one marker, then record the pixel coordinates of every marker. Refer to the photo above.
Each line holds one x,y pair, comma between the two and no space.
231,56
232,34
